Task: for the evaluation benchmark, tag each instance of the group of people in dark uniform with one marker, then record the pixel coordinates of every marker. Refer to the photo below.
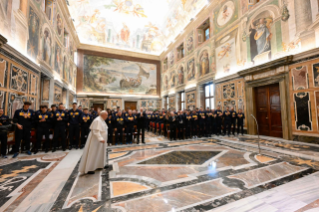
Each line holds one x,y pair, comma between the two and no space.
58,120
182,124
198,122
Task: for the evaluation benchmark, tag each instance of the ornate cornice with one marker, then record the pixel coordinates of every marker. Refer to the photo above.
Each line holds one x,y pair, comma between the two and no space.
267,66
19,58
3,41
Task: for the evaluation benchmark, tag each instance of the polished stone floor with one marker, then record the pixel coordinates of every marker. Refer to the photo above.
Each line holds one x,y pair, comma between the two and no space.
207,174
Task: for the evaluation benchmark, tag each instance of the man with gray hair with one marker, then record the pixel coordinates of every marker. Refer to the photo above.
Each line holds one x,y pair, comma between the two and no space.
94,154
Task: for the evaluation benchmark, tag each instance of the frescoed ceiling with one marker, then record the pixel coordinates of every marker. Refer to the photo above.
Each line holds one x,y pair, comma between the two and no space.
146,26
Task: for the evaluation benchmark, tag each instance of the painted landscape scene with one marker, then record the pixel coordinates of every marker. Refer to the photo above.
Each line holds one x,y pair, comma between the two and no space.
106,75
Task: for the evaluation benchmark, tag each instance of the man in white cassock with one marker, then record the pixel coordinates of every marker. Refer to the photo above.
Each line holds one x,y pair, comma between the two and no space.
94,154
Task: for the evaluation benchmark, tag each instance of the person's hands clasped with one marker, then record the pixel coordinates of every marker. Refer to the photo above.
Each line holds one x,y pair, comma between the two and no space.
102,141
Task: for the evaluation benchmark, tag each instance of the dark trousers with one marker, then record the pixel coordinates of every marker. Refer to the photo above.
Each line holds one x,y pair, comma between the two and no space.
59,131
40,132
202,129
214,126
228,126
142,130
188,131
194,131
24,134
74,131
173,133
129,134
110,136
242,129
233,124
219,127
85,130
208,130
3,140
148,126
180,132
119,139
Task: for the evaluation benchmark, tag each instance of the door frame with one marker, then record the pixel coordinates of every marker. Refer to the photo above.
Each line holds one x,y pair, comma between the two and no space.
283,80
276,71
131,102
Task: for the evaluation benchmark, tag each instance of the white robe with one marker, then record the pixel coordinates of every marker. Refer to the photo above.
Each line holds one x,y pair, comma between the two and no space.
94,154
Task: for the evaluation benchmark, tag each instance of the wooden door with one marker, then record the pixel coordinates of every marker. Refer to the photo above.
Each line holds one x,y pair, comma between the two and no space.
96,106
130,106
268,110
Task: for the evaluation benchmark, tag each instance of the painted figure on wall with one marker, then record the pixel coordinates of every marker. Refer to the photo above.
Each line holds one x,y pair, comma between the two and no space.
171,59
59,24
260,37
225,13
58,59
204,63
47,46
191,70
125,33
173,79
33,41
190,43
166,82
181,75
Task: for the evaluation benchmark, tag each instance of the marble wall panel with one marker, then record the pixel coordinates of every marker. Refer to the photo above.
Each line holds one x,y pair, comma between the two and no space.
19,79
3,99
84,102
303,111
57,94
3,72
113,103
46,90
15,102
300,78
33,84
191,100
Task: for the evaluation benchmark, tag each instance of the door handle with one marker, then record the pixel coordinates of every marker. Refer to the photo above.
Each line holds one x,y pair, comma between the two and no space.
266,117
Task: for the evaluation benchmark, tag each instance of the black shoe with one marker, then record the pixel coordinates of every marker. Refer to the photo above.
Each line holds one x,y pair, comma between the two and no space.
54,149
64,149
46,150
35,151
76,146
107,166
91,172
82,146
70,147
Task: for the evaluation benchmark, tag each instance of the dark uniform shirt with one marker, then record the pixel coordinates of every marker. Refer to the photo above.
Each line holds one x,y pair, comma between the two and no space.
130,121
86,120
75,117
188,120
24,117
59,113
119,121
240,117
233,116
227,116
42,116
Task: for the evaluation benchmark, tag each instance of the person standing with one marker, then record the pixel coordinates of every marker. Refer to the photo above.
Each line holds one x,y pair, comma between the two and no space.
233,120
129,122
94,153
180,125
74,126
172,126
219,119
202,122
141,122
42,119
4,120
110,125
227,121
194,123
240,122
60,119
214,122
209,116
86,120
188,123
24,119
119,125
93,113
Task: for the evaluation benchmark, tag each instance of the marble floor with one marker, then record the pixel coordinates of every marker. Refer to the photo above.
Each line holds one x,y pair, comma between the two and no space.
195,175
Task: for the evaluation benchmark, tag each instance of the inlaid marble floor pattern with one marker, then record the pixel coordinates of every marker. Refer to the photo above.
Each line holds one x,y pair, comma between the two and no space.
208,174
